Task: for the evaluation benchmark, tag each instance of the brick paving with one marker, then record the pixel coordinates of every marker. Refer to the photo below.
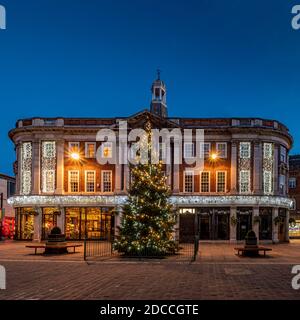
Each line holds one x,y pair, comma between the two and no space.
217,274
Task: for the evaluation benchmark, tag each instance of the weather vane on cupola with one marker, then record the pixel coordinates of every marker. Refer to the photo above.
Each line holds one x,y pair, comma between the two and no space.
158,73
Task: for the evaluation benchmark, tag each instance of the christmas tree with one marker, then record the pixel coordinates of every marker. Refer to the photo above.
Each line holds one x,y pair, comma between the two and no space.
147,222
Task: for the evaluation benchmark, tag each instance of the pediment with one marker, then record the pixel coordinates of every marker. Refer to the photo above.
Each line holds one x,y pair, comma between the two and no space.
141,119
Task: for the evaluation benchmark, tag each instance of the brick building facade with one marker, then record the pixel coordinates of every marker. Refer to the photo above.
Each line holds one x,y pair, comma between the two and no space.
243,184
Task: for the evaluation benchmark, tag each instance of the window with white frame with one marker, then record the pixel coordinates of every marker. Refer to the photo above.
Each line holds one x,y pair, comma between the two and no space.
268,150
106,180
221,149
244,181
221,181
73,181
90,181
188,181
90,149
245,150
283,154
74,147
106,150
188,150
282,186
267,176
205,181
292,182
205,148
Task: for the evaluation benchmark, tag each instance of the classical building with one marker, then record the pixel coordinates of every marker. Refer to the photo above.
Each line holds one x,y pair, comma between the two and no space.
294,192
7,214
243,184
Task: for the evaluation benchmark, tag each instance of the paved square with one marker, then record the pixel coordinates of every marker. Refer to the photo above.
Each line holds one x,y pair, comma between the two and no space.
217,274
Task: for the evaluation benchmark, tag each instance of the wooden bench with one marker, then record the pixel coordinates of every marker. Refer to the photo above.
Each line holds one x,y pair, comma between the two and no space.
244,250
43,246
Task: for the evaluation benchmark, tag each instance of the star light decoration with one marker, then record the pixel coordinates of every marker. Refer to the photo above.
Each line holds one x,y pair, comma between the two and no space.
180,200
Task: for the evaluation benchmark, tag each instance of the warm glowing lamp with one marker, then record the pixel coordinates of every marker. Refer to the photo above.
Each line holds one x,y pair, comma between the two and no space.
214,156
75,156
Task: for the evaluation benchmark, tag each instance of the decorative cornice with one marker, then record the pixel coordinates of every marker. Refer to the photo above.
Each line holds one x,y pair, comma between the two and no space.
180,201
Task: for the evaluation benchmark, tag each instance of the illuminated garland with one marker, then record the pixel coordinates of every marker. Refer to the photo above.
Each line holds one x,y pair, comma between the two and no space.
181,200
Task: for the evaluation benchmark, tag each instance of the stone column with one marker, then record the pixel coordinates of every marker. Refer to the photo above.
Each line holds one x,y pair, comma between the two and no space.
275,170
61,220
60,146
176,179
118,176
275,227
234,167
37,225
176,227
257,168
126,177
287,236
255,227
36,167
233,214
19,168
177,156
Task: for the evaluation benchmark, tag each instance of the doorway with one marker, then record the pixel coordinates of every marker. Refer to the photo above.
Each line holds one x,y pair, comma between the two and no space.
265,225
244,223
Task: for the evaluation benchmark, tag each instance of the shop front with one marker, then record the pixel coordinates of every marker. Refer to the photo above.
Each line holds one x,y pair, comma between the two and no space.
207,223
90,223
77,223
24,224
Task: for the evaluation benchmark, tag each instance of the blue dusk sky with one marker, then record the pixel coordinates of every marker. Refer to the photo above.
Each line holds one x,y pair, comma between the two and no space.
96,58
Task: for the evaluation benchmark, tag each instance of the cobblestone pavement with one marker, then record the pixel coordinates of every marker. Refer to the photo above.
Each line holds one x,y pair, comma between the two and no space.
217,274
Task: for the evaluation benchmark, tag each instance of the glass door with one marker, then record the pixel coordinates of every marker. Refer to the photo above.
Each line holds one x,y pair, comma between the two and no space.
49,221
244,224
265,225
204,226
222,226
